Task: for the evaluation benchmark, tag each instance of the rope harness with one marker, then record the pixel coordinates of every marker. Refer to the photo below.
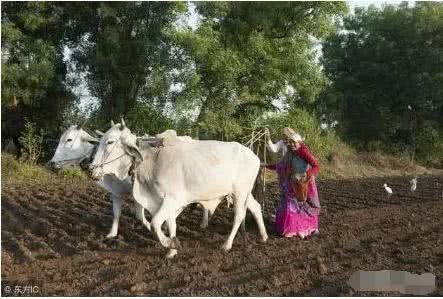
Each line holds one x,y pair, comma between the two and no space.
107,162
104,162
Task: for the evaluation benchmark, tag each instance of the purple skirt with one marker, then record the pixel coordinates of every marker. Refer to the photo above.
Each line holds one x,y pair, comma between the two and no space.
294,218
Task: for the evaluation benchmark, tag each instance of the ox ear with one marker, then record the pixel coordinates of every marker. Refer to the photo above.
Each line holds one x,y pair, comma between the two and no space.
90,139
122,125
133,151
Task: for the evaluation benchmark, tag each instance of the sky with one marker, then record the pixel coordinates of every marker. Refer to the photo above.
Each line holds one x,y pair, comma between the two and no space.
378,3
193,18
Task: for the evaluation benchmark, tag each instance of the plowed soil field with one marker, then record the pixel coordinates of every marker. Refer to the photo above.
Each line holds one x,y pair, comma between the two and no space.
53,237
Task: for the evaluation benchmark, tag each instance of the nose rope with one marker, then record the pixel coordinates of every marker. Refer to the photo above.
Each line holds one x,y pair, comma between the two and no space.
102,164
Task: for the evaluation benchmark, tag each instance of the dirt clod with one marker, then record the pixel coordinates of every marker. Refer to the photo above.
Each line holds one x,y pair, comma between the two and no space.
105,262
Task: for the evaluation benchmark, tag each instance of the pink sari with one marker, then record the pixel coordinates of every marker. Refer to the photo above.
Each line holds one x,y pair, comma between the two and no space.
296,218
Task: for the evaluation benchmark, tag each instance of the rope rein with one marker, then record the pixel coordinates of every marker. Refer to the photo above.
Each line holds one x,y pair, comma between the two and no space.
264,174
256,139
107,162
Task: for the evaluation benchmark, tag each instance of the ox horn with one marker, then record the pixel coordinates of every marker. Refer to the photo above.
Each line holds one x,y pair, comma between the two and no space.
100,133
123,125
84,123
112,123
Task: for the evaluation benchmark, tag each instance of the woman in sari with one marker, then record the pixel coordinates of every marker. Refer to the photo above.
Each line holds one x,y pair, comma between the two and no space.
297,216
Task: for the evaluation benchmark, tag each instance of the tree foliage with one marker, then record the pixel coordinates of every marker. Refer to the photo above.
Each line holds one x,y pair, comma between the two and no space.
386,72
33,70
124,50
243,60
321,142
244,55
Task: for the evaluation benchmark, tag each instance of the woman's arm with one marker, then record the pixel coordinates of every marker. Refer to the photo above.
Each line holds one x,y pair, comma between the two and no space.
275,148
305,154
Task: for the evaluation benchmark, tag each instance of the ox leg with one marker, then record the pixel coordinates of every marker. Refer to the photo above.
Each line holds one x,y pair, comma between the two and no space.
240,213
140,214
172,228
117,209
166,211
243,230
255,208
205,219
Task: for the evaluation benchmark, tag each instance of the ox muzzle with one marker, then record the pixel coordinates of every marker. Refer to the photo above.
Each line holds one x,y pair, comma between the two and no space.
96,172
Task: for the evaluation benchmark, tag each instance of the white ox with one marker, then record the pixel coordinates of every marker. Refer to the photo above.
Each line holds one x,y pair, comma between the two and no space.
76,145
171,177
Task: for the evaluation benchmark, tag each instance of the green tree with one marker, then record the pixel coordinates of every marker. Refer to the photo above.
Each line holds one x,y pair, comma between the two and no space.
123,48
33,70
386,72
244,55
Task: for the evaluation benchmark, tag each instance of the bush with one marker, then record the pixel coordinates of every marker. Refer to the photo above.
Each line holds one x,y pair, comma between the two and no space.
321,142
14,170
32,143
429,146
73,172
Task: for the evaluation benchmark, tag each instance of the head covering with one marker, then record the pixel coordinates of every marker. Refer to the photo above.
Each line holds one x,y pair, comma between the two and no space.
296,137
288,132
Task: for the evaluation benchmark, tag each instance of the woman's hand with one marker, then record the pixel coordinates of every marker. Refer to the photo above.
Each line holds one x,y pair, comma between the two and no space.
302,200
301,177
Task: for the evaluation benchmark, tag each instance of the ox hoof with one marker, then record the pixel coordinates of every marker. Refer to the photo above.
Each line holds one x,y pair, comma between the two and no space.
111,235
171,253
264,239
226,247
203,225
175,243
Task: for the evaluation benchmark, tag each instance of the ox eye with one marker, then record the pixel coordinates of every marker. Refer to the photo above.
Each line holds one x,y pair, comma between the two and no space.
110,142
69,140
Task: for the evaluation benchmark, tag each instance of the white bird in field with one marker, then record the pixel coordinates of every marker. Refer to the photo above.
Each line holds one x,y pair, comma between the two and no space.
389,190
413,184
409,107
